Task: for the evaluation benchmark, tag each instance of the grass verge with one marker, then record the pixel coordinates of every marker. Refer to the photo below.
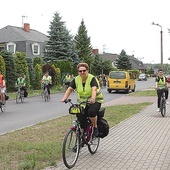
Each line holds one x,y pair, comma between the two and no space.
40,146
144,93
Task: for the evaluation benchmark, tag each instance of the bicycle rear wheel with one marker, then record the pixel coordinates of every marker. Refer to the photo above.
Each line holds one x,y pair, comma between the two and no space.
71,149
93,144
163,107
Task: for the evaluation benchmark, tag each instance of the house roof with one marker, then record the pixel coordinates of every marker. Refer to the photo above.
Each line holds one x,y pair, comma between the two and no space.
136,64
12,33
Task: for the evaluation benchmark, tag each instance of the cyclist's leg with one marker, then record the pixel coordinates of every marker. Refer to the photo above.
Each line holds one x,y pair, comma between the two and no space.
48,89
92,113
82,118
3,95
159,94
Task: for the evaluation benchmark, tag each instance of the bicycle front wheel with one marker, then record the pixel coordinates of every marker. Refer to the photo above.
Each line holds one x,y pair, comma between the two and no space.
17,98
71,149
163,107
93,144
3,108
22,97
46,95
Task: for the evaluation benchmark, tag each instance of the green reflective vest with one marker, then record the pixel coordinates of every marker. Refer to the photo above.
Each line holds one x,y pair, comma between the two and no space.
161,83
84,93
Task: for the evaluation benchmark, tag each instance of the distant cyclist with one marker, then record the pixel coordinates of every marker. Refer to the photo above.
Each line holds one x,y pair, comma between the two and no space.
67,80
47,82
161,86
21,82
2,87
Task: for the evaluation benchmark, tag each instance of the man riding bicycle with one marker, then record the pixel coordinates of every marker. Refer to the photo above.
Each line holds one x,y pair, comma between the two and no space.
88,88
2,88
46,82
67,80
21,83
161,87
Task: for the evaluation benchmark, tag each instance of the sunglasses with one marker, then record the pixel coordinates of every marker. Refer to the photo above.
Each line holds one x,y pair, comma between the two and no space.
82,71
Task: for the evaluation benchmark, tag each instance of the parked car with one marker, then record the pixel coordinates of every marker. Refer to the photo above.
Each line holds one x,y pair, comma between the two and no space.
121,80
142,77
168,78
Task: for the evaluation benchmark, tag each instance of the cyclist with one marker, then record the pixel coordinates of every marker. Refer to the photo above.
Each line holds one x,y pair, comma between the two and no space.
88,88
161,86
2,87
47,82
67,80
21,82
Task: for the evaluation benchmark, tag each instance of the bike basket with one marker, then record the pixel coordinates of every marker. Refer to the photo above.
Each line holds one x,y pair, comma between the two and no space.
75,109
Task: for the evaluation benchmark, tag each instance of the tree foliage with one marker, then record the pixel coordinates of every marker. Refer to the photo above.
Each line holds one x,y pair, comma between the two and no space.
38,77
123,61
60,44
10,70
21,66
83,45
2,66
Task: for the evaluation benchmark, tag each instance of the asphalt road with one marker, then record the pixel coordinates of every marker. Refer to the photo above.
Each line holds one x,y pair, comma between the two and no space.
35,110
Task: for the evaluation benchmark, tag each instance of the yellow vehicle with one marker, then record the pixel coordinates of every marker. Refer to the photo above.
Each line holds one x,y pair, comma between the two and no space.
121,80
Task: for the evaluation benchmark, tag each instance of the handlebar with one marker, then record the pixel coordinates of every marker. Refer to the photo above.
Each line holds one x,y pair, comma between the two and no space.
69,101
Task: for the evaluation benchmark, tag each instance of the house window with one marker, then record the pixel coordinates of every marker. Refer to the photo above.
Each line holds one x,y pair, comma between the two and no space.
36,49
2,47
11,47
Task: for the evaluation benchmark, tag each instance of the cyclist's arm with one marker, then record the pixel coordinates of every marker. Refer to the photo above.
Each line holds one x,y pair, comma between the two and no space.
94,86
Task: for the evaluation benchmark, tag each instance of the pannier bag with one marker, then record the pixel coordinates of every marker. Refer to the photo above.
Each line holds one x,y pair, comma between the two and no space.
75,109
101,112
103,127
25,93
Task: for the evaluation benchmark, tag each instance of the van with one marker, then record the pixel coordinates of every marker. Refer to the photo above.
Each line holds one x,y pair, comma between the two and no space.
121,80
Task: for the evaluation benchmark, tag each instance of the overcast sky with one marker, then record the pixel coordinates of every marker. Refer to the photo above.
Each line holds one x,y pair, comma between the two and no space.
113,25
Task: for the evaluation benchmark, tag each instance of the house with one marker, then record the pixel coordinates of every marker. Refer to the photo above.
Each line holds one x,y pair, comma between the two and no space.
136,64
24,39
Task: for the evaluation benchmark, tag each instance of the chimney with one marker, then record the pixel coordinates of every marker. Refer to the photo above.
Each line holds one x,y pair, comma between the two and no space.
96,51
26,27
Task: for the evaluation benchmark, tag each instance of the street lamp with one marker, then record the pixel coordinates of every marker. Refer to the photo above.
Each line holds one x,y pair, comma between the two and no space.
161,32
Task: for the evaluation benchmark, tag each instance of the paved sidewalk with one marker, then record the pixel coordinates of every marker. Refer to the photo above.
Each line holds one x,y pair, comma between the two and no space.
141,142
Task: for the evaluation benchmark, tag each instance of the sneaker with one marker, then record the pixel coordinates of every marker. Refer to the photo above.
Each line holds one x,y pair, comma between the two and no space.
158,110
95,131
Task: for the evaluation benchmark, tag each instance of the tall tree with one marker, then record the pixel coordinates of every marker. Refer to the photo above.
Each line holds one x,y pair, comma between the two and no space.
83,45
60,44
123,61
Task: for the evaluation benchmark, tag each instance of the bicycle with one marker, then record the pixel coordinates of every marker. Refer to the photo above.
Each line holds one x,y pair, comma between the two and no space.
20,95
74,139
2,105
45,94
